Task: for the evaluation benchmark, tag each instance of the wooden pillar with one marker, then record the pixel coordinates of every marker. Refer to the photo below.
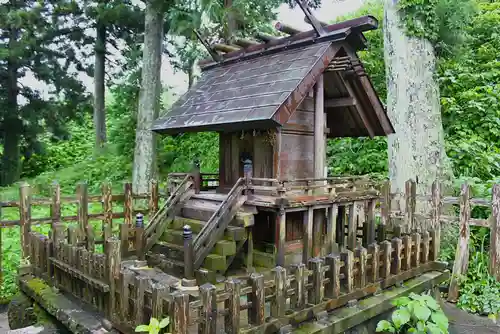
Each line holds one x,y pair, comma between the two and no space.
319,129
308,230
281,237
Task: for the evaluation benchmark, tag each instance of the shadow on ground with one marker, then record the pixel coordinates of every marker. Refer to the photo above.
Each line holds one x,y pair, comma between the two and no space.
462,322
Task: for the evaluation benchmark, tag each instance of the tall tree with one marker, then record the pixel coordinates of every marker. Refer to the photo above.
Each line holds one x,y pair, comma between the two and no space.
412,36
144,168
36,39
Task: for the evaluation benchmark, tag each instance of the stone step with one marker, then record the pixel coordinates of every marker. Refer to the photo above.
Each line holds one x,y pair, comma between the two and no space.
171,251
268,260
176,237
196,225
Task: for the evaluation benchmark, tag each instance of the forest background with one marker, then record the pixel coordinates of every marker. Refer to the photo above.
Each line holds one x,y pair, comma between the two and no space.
71,135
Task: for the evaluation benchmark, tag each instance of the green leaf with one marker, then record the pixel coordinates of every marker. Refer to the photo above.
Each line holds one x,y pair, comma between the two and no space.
385,326
164,323
154,323
433,329
142,328
402,301
440,319
421,312
400,317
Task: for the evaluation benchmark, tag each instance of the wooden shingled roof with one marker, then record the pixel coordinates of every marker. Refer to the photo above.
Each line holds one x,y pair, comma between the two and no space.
260,87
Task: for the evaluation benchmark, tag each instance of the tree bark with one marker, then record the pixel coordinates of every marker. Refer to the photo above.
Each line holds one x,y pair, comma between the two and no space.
231,22
144,168
100,87
12,126
417,149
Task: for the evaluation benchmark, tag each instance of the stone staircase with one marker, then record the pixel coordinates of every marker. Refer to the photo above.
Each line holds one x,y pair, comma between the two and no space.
168,252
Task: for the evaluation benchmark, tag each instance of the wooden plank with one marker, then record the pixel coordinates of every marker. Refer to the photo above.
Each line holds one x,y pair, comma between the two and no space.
332,289
397,246
386,259
308,230
417,240
425,247
158,292
370,220
126,277
113,260
25,218
256,314
83,207
407,251
435,243
90,238
495,233
55,207
208,296
124,239
436,205
107,206
153,198
362,255
374,251
298,300
352,228
316,294
331,229
232,304
462,253
128,206
410,202
278,304
348,259
385,205
180,313
140,285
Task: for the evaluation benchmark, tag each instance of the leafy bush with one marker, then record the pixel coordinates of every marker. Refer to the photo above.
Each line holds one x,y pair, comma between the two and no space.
415,314
154,326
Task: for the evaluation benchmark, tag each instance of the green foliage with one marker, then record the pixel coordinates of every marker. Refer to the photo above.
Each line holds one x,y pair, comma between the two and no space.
154,326
415,314
440,21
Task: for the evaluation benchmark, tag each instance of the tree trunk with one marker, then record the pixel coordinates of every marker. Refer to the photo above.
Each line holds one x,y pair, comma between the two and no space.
100,87
416,150
144,168
231,22
12,126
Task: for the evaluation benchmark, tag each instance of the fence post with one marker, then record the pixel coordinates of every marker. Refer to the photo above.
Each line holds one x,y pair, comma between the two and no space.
397,246
298,299
362,255
410,201
107,206
436,206
416,257
425,247
279,302
188,256
374,251
348,258
333,274
462,254
208,324
153,198
385,206
113,271
386,259
140,285
126,277
139,235
232,304
25,218
180,313
158,291
495,233
316,294
83,207
407,248
55,207
331,228
257,297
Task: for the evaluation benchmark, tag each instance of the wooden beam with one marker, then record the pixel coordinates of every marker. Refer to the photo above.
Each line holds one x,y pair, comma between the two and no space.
319,129
340,102
359,108
284,28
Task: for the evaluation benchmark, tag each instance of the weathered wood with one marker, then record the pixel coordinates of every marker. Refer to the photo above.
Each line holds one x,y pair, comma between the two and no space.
332,289
107,206
348,259
397,246
25,218
249,257
281,228
381,232
386,259
374,251
352,229
55,207
370,220
407,251
462,253
410,202
90,238
126,278
495,233
158,292
139,237
308,230
113,261
436,205
208,297
435,244
278,304
425,247
83,207
232,304
331,229
256,314
153,197
124,239
180,312
298,300
417,240
140,285
128,206
385,205
362,255
316,294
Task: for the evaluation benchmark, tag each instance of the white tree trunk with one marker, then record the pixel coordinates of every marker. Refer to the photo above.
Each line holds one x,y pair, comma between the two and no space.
144,168
416,150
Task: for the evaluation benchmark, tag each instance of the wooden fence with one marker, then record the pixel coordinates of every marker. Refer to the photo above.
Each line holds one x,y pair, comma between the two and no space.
288,296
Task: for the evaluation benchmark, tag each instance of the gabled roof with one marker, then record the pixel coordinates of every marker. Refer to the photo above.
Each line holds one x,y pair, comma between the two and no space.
261,88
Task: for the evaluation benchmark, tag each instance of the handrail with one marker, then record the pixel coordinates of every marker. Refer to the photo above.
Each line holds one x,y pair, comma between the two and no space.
203,241
164,211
